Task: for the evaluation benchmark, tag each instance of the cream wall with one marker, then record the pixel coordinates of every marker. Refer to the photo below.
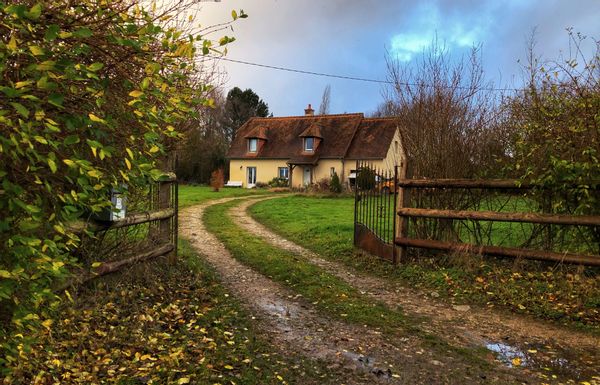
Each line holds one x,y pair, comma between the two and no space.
266,169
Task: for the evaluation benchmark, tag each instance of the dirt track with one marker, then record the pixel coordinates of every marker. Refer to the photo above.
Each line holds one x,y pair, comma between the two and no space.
358,354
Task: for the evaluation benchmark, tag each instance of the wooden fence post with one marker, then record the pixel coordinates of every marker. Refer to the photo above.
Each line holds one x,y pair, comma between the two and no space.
165,226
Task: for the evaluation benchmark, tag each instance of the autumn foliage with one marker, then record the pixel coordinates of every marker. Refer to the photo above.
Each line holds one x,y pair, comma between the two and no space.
217,179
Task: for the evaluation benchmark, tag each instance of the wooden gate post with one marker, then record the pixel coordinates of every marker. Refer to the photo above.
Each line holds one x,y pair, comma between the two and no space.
403,200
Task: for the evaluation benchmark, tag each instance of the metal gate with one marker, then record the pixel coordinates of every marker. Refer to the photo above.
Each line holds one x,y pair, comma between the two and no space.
375,196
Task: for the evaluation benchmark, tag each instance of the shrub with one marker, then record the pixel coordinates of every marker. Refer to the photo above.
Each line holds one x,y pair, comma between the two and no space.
261,185
217,179
335,186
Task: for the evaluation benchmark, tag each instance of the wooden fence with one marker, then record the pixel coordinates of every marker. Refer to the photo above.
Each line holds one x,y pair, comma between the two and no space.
405,213
162,219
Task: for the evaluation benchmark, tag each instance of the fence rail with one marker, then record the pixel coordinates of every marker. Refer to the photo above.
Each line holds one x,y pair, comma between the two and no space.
162,237
405,213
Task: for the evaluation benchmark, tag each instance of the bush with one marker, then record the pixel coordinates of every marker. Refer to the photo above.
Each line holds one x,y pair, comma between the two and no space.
217,179
261,185
279,182
365,180
335,186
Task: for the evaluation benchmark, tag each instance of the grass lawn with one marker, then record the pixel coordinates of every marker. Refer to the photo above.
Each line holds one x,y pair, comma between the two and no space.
564,293
157,324
192,195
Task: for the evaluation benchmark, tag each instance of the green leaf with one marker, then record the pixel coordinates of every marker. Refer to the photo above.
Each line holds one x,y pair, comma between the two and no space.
52,165
95,67
52,32
56,99
40,139
20,109
70,140
234,14
35,12
83,33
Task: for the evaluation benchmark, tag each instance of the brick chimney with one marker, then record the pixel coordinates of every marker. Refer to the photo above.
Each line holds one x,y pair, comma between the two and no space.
309,111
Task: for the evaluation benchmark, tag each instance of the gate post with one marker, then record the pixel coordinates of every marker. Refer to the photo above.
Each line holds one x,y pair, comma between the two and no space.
401,223
167,228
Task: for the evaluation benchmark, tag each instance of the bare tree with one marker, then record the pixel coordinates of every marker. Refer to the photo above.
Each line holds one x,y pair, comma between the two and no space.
325,101
447,120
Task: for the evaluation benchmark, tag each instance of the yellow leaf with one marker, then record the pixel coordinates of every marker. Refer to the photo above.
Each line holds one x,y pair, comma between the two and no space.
95,118
69,295
37,51
183,380
5,274
22,84
229,367
522,307
516,361
12,44
96,264
129,152
136,94
128,163
154,149
47,323
93,151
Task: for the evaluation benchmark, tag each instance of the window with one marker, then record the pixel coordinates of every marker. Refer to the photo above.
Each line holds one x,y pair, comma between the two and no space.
308,143
252,144
284,173
332,171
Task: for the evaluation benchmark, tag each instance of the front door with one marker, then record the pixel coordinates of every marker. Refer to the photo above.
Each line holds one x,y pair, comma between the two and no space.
251,171
307,176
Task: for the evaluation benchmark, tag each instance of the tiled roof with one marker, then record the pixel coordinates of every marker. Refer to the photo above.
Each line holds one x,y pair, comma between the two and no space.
343,136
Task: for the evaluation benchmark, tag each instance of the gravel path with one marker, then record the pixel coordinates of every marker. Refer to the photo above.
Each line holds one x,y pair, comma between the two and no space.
539,344
359,354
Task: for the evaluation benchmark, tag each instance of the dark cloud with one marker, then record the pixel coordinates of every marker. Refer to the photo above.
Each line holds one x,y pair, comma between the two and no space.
350,38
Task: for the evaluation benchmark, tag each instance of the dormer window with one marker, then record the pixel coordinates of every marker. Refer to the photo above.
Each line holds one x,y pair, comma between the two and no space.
309,144
252,144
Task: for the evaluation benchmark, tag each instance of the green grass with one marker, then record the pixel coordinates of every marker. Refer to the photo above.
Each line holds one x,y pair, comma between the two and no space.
568,294
193,195
159,324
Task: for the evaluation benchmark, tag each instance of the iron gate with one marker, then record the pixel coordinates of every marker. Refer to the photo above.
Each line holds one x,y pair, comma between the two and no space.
375,196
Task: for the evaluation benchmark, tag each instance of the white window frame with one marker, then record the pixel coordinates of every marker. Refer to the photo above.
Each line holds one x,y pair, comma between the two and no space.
250,142
286,172
312,146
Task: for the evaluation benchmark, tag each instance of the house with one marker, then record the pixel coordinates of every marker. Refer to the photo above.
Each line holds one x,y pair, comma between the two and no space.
305,149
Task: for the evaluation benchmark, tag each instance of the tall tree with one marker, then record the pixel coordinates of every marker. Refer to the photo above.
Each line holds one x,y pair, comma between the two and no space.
241,106
325,101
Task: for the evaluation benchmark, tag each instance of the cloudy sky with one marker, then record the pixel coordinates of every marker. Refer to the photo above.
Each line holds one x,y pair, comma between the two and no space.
350,38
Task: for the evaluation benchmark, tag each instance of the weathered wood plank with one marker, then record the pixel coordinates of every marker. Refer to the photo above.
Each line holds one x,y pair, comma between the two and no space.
552,219
500,251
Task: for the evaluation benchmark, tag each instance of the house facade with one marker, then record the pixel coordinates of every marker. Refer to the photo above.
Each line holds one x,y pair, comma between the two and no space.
305,149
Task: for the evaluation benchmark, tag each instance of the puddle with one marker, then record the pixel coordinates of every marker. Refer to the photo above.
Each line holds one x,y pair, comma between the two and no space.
368,363
509,355
278,309
551,361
